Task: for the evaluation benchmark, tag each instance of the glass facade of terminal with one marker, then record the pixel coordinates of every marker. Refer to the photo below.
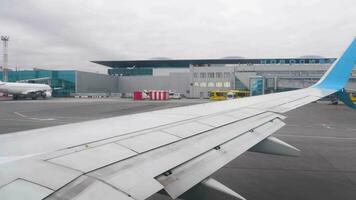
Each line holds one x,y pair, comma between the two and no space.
130,71
62,82
144,67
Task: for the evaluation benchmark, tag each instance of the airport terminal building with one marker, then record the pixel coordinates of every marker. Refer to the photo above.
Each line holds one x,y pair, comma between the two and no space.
195,78
191,78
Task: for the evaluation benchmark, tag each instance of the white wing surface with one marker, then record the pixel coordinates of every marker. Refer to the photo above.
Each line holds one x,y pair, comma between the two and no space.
169,151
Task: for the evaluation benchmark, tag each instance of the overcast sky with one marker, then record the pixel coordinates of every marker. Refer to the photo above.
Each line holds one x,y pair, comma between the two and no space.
70,33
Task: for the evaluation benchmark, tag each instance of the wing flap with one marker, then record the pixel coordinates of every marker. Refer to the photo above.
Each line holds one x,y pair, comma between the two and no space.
103,155
217,120
37,171
100,190
23,190
187,175
88,188
187,129
148,141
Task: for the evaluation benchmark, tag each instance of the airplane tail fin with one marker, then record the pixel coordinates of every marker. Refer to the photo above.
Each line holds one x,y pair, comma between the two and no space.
343,96
338,74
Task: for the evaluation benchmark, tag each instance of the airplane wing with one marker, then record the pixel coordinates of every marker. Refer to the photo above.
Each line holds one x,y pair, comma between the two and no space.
169,151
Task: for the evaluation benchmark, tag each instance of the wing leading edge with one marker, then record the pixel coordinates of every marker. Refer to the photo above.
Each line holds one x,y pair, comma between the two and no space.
169,151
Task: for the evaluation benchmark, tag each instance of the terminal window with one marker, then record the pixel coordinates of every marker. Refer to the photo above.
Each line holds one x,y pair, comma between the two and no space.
211,75
304,73
295,73
292,61
226,74
203,84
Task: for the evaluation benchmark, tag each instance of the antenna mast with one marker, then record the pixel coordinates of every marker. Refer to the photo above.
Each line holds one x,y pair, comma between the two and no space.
5,40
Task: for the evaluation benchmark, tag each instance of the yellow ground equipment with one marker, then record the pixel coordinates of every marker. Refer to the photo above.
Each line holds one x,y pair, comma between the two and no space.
218,95
353,96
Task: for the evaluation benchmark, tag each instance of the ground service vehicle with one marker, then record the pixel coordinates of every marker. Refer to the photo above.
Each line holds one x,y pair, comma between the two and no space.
353,96
218,95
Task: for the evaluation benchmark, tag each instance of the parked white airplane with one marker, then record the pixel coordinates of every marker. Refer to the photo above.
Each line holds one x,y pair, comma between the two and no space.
23,90
170,151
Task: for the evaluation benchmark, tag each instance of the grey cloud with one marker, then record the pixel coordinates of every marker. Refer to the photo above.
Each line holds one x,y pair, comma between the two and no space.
68,34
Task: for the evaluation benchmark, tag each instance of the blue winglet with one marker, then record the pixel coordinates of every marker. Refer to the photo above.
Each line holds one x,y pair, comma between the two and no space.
344,97
338,75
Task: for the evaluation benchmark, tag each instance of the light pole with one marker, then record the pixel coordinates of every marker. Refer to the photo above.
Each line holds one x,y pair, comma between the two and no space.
5,40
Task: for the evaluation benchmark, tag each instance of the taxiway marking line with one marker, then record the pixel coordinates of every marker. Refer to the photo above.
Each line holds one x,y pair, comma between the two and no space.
19,114
33,118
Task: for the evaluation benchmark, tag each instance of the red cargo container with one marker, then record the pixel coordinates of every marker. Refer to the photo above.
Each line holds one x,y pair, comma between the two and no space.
158,95
137,96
